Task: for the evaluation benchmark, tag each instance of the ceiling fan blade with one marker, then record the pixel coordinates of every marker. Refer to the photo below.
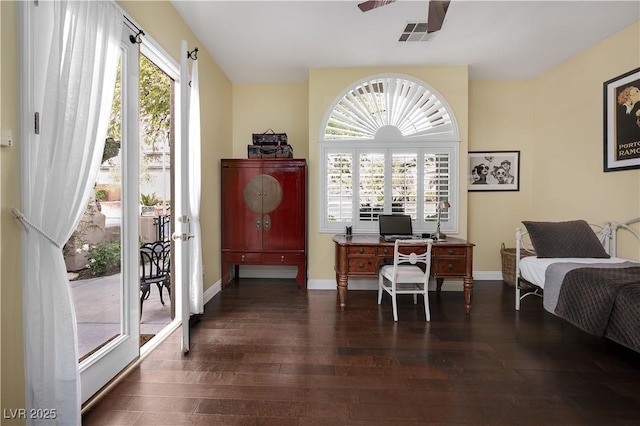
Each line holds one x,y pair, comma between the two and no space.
372,4
437,12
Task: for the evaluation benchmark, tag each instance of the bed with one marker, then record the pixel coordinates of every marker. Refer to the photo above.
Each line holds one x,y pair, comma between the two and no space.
574,267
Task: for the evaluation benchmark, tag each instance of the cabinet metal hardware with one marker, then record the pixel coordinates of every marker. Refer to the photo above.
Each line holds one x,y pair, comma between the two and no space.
450,266
281,259
361,250
242,258
451,251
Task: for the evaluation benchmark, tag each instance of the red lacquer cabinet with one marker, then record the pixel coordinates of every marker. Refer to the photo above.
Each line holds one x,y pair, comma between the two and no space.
264,214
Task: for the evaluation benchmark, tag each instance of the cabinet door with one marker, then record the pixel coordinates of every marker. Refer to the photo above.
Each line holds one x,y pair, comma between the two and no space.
284,223
241,207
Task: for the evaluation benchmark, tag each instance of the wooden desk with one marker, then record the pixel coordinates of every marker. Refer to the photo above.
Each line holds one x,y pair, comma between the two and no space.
361,255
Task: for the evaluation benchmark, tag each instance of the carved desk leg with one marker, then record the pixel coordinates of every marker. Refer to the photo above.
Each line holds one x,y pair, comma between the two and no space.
468,293
342,274
468,279
342,290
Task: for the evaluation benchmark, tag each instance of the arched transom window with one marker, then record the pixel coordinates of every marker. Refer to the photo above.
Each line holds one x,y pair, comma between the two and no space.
389,144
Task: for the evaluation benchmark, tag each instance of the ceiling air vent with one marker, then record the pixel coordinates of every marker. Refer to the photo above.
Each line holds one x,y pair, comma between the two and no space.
415,31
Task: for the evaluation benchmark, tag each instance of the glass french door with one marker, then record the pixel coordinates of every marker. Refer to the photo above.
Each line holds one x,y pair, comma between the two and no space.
119,342
103,255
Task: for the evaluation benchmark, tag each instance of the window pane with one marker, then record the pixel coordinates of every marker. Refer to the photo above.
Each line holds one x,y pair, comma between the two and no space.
404,184
437,176
371,202
340,187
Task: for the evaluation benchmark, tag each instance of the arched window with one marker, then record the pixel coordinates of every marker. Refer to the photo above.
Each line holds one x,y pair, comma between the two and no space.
389,144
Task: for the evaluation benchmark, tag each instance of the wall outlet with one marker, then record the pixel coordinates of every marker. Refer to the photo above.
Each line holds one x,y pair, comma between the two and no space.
6,138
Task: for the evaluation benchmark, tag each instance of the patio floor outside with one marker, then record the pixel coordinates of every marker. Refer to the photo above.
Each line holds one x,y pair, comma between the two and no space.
97,305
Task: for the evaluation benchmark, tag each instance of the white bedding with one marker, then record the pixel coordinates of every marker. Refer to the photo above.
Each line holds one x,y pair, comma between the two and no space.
533,269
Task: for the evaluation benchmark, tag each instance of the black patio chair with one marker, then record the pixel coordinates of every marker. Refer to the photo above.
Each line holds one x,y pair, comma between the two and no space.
155,262
162,224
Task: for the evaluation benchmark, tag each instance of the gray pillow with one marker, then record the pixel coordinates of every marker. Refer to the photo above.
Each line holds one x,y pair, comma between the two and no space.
574,238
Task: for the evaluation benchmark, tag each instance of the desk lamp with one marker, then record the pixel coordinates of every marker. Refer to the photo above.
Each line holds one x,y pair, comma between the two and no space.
443,204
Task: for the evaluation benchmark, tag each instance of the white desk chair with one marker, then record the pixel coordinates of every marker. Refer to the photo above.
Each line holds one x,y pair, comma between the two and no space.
405,276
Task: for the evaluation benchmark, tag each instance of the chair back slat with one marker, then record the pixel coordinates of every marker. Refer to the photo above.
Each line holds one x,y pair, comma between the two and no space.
155,260
419,251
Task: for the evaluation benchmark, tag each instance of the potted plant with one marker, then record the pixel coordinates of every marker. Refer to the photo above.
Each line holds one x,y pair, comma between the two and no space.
148,201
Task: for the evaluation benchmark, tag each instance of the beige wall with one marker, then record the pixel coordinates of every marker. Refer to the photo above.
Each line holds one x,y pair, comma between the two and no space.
325,85
167,28
556,121
500,119
10,275
568,180
282,107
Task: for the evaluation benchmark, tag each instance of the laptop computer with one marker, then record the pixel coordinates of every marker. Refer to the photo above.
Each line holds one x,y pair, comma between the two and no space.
395,226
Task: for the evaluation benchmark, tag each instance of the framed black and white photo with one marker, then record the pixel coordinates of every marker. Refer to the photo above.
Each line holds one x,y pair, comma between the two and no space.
622,122
494,171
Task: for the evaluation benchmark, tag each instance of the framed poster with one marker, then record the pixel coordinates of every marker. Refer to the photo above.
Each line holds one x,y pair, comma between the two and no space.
494,171
622,122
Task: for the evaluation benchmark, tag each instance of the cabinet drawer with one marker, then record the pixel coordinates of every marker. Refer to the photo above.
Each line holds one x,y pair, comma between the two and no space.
385,252
363,265
450,266
284,258
362,250
448,251
239,258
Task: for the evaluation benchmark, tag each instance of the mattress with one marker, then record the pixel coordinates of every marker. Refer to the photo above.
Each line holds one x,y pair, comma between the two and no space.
533,269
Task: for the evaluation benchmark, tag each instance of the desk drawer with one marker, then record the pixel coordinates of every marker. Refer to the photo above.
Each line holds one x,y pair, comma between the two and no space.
362,250
284,258
385,251
363,265
240,258
451,266
448,251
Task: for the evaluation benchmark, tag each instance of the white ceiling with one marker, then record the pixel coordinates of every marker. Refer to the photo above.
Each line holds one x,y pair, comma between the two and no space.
279,41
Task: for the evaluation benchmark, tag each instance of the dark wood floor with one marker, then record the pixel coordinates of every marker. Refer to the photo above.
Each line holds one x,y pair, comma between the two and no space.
266,354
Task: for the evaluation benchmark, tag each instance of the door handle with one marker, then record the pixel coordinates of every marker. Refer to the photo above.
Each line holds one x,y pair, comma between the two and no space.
267,222
258,222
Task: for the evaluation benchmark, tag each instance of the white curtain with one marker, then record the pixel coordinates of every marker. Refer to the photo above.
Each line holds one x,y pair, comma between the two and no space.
195,249
61,169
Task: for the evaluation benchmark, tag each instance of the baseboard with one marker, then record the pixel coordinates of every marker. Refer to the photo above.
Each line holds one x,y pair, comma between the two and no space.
354,283
212,291
372,284
487,275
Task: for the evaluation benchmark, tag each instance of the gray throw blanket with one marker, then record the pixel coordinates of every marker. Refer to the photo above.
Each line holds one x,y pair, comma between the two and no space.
555,274
588,295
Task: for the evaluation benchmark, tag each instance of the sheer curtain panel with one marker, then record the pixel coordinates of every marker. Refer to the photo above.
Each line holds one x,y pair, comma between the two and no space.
195,251
60,171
